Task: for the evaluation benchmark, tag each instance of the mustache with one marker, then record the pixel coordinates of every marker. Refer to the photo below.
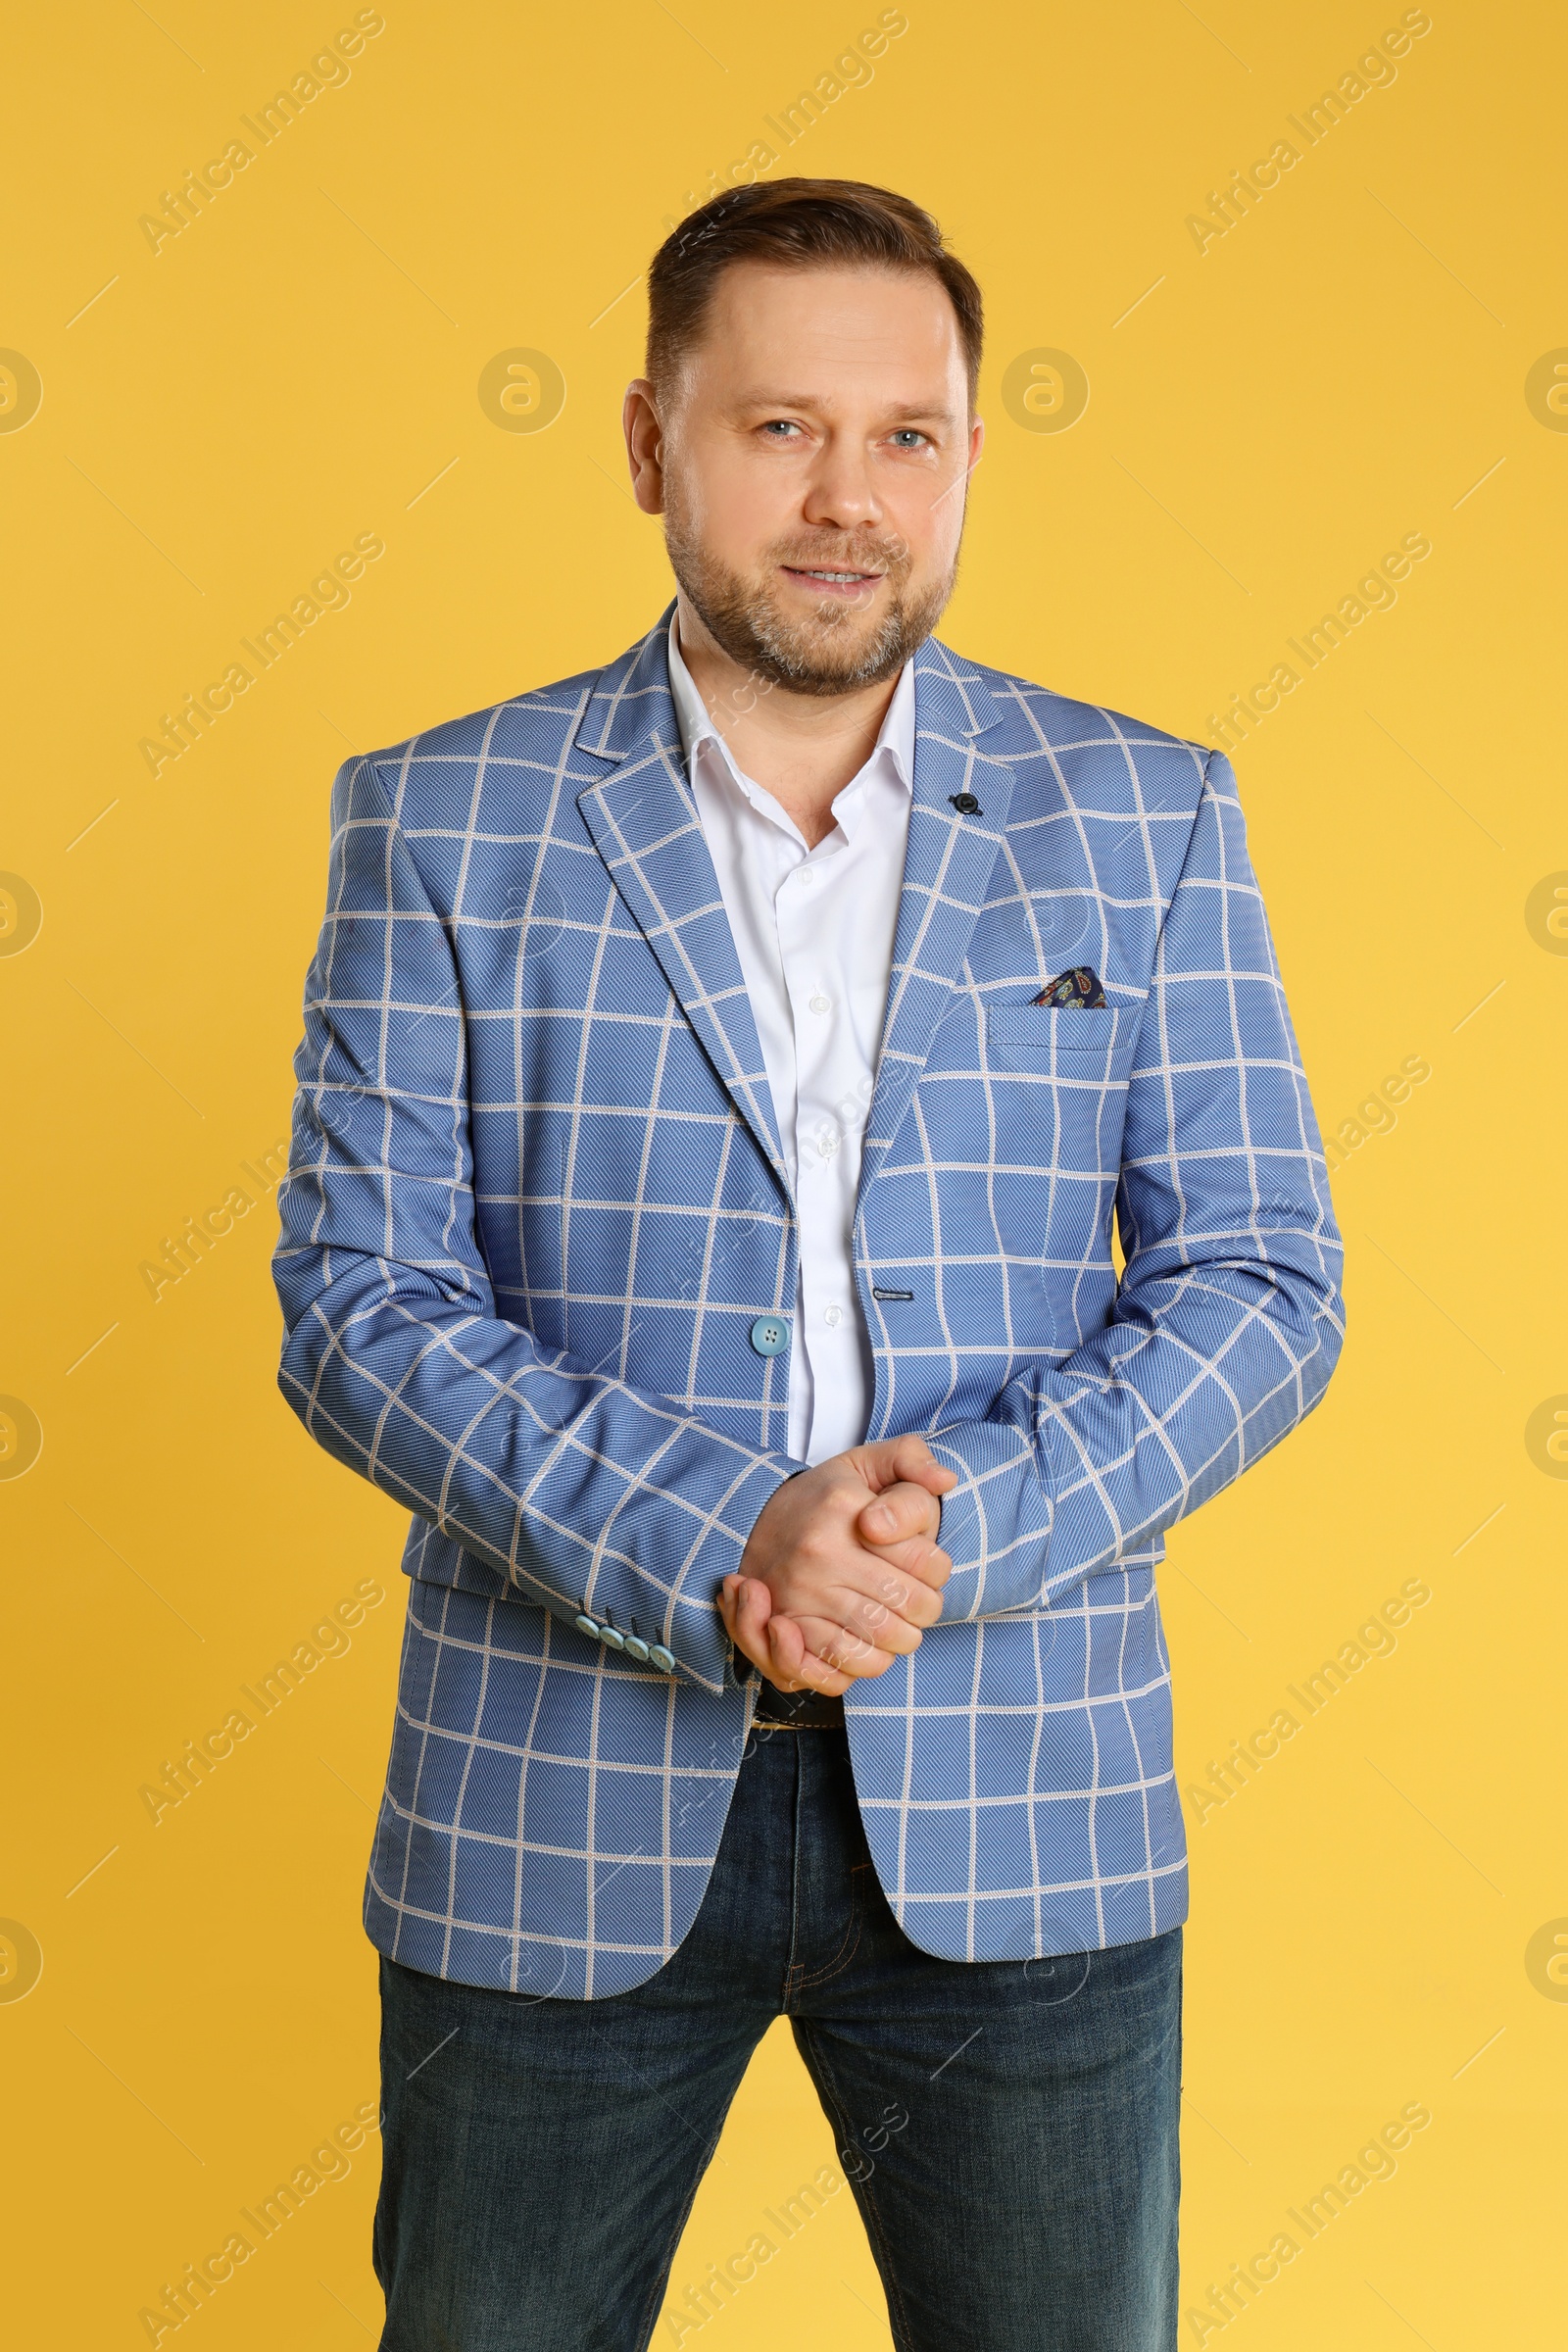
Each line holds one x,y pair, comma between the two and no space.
844,552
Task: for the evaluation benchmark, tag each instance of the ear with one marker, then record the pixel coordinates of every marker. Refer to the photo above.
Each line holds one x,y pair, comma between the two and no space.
645,444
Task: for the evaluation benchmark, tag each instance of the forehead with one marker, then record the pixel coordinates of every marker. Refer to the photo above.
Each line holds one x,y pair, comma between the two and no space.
834,332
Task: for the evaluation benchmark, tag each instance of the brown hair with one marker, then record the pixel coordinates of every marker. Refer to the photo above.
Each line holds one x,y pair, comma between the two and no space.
796,224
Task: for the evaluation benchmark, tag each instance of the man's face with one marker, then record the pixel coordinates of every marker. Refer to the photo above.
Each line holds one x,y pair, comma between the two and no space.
813,461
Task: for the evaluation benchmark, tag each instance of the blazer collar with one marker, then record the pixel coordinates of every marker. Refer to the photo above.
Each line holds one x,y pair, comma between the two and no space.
642,819
632,698
948,866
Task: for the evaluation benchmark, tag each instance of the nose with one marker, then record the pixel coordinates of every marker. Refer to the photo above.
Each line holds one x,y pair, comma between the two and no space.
839,493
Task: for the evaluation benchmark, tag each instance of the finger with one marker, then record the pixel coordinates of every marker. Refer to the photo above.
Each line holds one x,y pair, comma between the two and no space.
816,1674
771,1641
899,1510
892,1461
917,1557
758,1606
913,1459
752,1608
884,1587
841,1650
794,1666
864,1621
884,1461
883,1605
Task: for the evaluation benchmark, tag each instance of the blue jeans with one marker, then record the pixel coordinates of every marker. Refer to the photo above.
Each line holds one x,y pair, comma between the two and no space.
1009,2128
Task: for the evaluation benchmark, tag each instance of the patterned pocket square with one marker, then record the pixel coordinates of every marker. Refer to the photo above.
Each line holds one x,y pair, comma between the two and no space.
1079,988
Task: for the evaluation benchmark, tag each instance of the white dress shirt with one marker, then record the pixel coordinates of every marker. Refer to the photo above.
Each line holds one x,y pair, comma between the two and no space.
813,931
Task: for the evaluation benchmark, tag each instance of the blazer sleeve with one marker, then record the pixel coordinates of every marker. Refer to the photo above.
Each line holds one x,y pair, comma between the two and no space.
1229,1317
584,1493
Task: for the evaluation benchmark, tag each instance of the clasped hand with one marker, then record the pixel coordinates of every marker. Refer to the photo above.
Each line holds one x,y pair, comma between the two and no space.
842,1571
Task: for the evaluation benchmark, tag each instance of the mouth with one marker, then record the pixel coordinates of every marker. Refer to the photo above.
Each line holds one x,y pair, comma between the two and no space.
828,580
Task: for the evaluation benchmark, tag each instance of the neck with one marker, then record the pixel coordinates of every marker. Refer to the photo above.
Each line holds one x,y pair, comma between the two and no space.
802,748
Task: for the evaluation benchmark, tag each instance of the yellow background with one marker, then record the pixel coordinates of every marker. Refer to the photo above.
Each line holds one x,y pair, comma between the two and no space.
296,368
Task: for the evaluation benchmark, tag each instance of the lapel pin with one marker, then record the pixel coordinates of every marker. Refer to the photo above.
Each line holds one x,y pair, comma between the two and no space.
965,804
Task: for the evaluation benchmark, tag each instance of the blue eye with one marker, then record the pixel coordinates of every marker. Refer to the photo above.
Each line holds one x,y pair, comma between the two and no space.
907,437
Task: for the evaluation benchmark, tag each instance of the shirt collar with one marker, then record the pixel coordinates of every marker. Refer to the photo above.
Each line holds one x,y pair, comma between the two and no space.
896,735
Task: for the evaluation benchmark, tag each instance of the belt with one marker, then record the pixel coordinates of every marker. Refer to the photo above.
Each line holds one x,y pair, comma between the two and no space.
797,1710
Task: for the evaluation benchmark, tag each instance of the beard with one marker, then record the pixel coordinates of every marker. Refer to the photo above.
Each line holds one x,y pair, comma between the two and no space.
825,652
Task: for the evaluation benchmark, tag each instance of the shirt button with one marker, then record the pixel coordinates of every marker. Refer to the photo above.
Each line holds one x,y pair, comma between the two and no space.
806,875
832,1317
820,1004
771,1334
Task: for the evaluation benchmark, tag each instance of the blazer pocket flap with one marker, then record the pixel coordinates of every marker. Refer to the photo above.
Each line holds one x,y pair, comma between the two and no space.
1084,1038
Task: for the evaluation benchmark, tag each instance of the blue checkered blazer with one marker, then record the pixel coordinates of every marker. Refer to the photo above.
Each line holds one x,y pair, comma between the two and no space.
536,1200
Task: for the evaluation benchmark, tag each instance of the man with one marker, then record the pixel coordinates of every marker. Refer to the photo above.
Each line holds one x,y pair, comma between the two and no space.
722,1073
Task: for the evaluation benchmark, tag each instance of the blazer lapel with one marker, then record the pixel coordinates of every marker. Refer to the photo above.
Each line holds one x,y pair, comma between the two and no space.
947,876
645,825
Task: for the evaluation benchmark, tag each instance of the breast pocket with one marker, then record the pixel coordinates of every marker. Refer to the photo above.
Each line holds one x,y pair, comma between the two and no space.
1082,1043
1057,1077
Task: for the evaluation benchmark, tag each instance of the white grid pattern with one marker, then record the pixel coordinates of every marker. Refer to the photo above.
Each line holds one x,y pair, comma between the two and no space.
536,1200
